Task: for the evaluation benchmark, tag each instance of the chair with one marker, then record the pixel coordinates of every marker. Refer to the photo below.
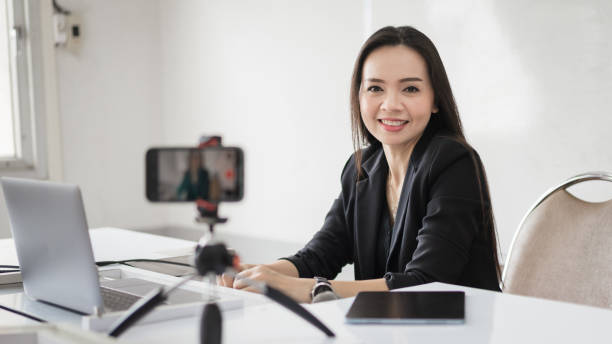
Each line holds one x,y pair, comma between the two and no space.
562,249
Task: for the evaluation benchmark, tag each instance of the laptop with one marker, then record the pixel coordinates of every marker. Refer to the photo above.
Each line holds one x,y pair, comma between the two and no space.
55,255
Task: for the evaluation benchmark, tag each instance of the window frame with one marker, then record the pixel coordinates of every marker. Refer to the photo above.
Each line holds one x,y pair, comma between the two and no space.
27,85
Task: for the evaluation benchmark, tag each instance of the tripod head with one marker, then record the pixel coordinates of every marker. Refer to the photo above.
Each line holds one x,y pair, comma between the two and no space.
215,258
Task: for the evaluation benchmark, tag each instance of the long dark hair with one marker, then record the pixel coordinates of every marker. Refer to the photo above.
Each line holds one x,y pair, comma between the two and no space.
447,117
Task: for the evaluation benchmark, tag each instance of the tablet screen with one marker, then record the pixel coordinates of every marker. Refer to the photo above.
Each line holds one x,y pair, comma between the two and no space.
419,307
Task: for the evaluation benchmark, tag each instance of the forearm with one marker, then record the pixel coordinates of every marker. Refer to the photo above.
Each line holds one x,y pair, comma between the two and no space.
283,275
351,288
284,267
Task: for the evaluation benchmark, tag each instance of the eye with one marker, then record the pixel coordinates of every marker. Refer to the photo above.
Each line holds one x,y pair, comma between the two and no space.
374,89
411,89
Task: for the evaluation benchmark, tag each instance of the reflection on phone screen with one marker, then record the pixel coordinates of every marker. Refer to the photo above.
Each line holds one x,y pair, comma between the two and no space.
187,175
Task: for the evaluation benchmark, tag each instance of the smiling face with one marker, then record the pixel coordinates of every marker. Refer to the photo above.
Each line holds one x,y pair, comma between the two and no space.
396,98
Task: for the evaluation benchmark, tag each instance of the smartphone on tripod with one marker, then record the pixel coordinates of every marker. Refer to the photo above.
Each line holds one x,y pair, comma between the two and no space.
186,174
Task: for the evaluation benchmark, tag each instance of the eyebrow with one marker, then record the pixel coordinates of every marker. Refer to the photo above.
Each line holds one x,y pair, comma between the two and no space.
401,80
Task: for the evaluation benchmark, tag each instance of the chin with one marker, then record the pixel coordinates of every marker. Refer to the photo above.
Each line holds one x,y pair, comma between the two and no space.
397,141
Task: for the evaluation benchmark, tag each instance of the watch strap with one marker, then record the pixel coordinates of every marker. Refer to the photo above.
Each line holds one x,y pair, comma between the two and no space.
321,285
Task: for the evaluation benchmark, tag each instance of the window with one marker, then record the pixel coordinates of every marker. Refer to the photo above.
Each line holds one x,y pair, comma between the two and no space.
7,144
22,149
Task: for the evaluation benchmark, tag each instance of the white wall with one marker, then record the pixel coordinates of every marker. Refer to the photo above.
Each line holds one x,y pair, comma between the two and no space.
532,81
109,100
272,77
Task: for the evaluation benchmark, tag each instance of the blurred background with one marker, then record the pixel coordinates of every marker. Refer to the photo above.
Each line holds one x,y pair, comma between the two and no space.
532,80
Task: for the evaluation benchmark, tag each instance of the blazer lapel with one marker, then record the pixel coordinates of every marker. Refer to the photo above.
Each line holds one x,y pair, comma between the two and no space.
369,202
403,203
397,231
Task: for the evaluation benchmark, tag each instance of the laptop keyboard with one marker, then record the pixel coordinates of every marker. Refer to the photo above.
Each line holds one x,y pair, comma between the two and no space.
115,300
121,294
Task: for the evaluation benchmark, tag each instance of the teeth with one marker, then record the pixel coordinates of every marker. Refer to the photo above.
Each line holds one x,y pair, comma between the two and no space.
393,123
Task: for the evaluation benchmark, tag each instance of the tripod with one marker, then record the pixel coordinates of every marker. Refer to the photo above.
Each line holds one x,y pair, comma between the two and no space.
211,258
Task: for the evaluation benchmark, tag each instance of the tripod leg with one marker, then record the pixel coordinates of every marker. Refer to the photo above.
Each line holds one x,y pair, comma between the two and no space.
211,324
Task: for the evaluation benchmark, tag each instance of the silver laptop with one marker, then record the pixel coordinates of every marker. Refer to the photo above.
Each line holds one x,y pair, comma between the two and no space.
54,250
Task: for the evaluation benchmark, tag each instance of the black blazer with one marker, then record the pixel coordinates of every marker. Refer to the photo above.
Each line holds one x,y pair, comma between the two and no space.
439,234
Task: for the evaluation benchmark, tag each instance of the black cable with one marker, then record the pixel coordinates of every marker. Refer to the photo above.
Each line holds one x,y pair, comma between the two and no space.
22,314
7,271
9,267
15,268
125,262
138,310
287,302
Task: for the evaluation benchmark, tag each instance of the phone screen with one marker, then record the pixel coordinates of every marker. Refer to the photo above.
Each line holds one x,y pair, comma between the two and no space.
186,174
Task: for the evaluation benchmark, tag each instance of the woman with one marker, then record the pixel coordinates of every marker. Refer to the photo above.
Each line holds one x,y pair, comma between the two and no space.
195,182
415,205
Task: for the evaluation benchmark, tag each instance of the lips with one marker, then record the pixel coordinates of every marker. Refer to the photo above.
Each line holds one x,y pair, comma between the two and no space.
392,125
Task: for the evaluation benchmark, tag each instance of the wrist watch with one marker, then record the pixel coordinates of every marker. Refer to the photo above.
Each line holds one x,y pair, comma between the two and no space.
321,285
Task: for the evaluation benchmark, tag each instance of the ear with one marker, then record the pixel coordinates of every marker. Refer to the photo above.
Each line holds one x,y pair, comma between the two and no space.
434,108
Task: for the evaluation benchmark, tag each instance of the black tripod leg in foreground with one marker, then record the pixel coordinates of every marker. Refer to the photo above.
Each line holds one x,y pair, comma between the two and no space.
211,325
296,308
138,310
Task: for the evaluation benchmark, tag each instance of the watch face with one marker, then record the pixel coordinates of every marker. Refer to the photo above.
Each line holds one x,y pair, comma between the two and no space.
319,288
321,285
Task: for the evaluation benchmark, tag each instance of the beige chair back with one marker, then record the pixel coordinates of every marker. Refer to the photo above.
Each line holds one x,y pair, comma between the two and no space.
562,249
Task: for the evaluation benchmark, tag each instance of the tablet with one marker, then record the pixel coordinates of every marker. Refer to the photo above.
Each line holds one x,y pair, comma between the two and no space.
408,307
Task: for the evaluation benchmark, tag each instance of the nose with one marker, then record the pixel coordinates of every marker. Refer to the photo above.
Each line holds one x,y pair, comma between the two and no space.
392,102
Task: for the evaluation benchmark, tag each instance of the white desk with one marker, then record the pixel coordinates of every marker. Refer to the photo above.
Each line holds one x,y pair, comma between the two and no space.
118,244
490,317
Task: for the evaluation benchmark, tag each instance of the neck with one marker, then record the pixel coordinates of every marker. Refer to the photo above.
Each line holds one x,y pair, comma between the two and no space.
398,157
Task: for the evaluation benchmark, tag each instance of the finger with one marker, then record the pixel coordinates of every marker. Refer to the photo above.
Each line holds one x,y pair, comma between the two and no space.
247,266
252,290
227,281
248,273
221,280
246,277
240,284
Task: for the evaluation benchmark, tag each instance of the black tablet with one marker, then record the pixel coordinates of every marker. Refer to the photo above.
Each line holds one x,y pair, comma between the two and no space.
408,307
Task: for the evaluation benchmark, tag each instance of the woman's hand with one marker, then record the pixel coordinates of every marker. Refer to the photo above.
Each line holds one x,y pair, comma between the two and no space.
297,288
228,281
